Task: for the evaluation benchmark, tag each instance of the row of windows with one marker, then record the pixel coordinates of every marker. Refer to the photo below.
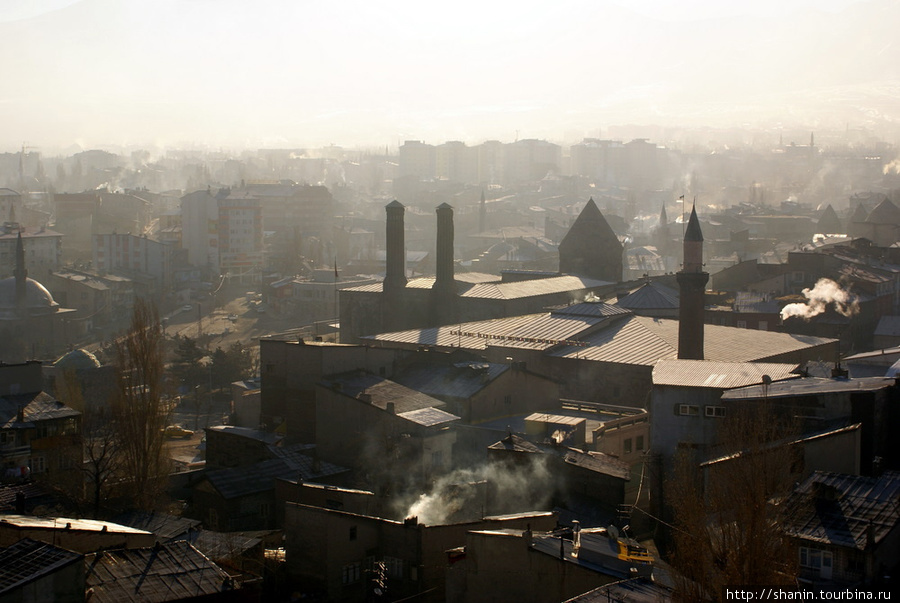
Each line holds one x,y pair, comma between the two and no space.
638,444
693,410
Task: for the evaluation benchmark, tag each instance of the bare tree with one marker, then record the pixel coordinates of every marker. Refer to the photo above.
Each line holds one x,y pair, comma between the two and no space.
138,409
725,514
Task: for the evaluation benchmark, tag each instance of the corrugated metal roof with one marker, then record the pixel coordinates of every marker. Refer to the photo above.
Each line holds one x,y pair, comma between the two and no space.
646,340
618,337
39,406
461,380
224,545
72,525
650,296
841,509
590,309
28,560
171,571
530,331
428,417
381,391
165,527
888,326
809,386
479,289
718,375
260,477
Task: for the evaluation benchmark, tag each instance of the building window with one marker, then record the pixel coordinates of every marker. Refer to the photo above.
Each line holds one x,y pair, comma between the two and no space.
350,573
37,464
627,446
437,459
763,325
394,567
797,276
507,399
688,410
742,324
352,532
639,442
715,411
814,558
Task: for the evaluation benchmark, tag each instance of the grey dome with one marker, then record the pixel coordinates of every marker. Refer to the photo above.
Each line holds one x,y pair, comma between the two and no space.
37,298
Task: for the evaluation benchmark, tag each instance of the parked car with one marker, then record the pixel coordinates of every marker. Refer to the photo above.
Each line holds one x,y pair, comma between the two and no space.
177,431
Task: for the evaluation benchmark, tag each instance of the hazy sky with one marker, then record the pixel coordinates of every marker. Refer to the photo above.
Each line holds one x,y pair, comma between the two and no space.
302,73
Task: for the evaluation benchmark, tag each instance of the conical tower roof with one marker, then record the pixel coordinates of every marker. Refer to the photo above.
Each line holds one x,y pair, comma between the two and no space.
829,222
591,225
859,214
884,213
693,232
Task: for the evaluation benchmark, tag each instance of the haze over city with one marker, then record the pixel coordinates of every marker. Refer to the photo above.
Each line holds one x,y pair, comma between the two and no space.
103,73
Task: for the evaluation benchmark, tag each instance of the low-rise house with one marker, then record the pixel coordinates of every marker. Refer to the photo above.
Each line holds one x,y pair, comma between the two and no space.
175,571
236,488
38,571
576,477
38,433
385,431
846,528
341,555
82,535
479,391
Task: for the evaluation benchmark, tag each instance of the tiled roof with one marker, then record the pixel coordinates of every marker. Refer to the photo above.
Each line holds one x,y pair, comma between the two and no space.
28,560
718,375
172,571
844,510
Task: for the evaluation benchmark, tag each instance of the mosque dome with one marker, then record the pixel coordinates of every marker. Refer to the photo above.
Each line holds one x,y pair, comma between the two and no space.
78,359
37,299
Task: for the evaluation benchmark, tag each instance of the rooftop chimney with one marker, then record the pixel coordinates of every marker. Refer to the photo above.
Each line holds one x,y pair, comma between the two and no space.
692,284
20,273
444,261
395,260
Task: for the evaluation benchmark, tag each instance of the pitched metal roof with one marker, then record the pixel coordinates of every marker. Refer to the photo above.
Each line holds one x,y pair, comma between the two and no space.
380,391
477,288
888,326
646,340
39,406
428,417
460,380
260,477
718,375
844,510
28,560
32,522
809,386
650,296
171,571
164,526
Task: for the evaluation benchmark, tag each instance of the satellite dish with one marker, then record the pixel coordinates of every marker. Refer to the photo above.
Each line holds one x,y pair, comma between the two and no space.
613,532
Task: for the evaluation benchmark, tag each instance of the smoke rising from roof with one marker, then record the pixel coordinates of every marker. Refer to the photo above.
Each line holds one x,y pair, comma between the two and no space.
824,293
470,494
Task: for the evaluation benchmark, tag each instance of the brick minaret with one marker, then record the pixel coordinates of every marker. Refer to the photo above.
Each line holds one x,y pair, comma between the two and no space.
692,283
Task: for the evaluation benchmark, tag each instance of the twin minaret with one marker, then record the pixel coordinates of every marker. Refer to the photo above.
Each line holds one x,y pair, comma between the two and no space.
444,288
692,284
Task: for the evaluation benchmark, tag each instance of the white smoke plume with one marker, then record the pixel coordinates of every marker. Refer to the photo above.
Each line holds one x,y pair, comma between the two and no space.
892,168
470,494
819,297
